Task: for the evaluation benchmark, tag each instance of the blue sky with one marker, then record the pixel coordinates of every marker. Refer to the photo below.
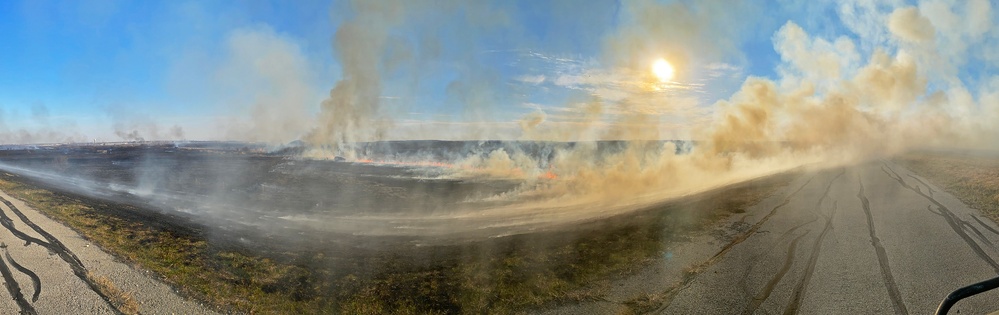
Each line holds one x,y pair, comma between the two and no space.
88,69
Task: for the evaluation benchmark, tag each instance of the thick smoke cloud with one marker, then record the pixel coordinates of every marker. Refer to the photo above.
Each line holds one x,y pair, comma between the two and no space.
350,113
367,46
893,87
909,25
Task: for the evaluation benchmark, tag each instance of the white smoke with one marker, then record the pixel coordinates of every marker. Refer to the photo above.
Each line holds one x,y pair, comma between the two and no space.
271,79
835,101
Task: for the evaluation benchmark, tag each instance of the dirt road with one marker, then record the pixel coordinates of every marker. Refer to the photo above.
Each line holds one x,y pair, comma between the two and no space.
865,239
49,269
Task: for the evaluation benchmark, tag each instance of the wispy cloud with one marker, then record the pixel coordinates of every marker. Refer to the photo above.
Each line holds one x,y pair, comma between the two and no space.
532,79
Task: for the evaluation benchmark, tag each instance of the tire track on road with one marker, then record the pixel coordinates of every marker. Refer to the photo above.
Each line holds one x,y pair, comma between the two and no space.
6,222
977,233
769,288
949,217
673,291
930,209
889,279
13,288
756,257
818,205
752,229
63,252
986,226
922,182
37,282
964,223
53,241
799,291
813,259
789,257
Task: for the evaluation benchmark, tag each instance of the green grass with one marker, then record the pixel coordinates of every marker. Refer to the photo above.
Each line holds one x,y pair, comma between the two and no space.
972,179
501,276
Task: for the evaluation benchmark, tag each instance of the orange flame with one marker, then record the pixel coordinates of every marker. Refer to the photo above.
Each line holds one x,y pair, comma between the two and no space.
549,175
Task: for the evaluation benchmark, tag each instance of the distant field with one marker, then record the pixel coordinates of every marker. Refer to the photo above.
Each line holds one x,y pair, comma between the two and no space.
973,178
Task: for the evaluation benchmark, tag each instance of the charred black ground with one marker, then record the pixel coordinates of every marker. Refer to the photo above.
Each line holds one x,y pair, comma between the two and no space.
315,270
239,186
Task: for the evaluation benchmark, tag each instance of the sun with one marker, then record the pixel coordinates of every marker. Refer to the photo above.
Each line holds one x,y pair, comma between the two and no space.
663,70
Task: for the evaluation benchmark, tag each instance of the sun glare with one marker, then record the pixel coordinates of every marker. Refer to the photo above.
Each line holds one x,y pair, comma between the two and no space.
663,70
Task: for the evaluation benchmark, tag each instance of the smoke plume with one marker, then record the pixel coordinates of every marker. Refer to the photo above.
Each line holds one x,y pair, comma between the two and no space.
612,137
350,113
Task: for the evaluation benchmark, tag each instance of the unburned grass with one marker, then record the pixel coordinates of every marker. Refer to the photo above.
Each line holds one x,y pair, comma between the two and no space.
122,300
971,178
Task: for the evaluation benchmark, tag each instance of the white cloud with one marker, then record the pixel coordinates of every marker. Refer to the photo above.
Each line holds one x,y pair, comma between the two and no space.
532,79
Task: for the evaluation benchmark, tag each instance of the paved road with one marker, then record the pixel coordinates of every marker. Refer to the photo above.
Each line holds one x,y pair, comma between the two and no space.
867,239
44,267
873,238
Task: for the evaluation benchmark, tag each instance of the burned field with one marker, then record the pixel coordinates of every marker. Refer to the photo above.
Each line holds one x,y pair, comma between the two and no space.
236,189
252,231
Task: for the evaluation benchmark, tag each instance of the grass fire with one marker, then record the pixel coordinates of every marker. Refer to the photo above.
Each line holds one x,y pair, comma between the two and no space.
498,157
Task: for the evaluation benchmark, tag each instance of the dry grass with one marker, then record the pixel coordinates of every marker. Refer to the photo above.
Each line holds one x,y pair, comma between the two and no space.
972,179
646,303
122,300
230,281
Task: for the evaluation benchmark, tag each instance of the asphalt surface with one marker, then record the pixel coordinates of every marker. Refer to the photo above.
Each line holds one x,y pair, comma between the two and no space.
874,238
44,268
867,239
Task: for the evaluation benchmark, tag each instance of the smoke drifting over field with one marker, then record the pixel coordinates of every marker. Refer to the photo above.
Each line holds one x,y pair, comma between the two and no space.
901,77
890,88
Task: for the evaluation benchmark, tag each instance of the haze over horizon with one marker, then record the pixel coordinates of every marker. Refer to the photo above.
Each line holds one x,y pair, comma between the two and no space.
331,73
